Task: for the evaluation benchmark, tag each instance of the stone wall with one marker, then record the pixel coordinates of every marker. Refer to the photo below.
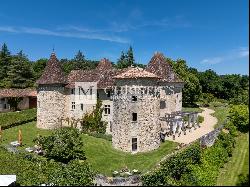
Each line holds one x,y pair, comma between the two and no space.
170,98
50,106
147,127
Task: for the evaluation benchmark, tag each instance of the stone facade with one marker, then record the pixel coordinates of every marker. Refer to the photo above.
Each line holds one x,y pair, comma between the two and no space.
50,106
145,130
133,119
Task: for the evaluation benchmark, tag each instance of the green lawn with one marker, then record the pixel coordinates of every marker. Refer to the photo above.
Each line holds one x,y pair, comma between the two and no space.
106,159
99,152
220,113
29,132
239,163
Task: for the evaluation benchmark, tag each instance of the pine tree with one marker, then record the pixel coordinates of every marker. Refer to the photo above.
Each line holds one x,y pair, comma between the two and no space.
79,61
20,73
4,64
122,61
130,56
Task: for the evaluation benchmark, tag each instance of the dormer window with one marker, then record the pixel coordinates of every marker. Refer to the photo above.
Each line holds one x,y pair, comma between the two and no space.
73,91
134,98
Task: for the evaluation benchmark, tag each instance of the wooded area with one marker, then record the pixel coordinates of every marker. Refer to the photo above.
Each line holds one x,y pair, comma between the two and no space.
17,71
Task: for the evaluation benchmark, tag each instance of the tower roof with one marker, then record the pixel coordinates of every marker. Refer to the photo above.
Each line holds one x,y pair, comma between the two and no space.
104,65
135,72
53,73
159,66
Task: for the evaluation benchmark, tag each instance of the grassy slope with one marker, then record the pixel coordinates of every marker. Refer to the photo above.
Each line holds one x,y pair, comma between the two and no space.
106,159
238,163
29,132
100,153
220,113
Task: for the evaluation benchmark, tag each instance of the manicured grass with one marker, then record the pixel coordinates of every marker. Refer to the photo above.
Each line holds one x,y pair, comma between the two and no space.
189,109
239,163
221,113
105,159
29,132
99,152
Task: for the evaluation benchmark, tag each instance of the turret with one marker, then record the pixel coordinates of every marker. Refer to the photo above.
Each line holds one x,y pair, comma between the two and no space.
136,126
50,95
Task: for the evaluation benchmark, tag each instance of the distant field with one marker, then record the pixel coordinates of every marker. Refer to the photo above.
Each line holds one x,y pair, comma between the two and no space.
239,163
100,153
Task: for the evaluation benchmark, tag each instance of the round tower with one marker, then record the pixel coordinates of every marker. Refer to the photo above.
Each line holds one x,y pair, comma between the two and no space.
136,126
50,95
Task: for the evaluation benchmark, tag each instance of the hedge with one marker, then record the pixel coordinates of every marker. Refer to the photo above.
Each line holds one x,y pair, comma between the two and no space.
193,166
36,170
11,119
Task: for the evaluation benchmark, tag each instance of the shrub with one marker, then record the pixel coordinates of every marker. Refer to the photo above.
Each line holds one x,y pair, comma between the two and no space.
239,116
243,180
76,172
11,119
63,145
206,98
92,122
194,165
35,170
200,119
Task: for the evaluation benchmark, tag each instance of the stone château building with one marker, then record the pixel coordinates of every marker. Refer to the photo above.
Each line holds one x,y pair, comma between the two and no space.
132,116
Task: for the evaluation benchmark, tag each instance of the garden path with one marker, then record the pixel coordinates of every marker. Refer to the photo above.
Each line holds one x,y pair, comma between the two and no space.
206,126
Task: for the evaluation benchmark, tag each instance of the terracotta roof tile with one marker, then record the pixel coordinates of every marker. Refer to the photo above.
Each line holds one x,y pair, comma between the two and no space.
159,66
18,92
53,73
136,72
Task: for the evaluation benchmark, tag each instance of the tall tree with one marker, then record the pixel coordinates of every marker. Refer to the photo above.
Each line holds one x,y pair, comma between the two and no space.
5,58
192,88
130,56
79,61
122,61
20,73
38,67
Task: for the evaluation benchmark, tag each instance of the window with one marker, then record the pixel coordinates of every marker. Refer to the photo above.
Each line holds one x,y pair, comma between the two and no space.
73,105
108,93
106,109
134,116
110,126
82,106
73,91
134,144
134,98
162,104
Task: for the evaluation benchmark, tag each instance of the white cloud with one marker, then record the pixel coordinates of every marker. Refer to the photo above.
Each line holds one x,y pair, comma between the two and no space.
215,60
71,33
241,52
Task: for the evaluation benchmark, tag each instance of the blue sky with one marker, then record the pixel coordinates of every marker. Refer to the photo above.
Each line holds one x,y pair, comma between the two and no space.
206,33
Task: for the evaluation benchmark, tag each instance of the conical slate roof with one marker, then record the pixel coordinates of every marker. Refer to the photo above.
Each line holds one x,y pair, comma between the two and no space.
159,66
53,73
135,72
